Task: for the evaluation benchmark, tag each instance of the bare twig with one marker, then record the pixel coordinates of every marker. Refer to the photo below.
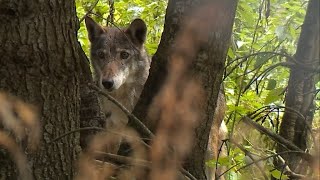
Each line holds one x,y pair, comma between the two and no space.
309,128
224,142
124,159
89,11
277,138
289,172
88,129
248,153
292,62
76,130
136,121
267,157
139,162
111,12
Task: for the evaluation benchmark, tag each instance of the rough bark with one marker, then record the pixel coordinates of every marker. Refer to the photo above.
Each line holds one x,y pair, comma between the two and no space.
40,64
208,68
301,88
90,110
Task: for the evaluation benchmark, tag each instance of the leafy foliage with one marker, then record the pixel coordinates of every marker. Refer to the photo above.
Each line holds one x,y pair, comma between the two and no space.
152,12
265,36
260,29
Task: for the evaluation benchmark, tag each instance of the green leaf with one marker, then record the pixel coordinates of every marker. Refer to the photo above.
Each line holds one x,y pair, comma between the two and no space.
211,163
277,174
245,176
271,84
224,161
273,96
239,109
231,53
151,48
240,43
239,157
261,60
281,32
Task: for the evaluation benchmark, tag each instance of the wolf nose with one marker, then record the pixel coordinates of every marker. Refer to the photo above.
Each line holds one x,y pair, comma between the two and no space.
108,84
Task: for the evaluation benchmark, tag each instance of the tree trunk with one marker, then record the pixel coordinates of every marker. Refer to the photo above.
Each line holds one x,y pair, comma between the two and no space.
40,64
301,89
207,67
90,110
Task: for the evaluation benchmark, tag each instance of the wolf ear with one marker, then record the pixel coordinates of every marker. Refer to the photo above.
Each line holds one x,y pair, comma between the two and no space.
93,28
137,31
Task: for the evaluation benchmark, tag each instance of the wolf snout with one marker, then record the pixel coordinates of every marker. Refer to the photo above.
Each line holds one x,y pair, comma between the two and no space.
108,84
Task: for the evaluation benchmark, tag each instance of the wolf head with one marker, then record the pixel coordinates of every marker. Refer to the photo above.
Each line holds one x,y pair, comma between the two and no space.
117,55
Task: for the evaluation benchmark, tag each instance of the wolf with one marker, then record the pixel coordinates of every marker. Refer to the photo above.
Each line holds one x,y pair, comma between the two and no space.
120,65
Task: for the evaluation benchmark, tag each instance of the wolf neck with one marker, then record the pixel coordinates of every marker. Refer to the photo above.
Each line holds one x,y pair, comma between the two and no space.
127,95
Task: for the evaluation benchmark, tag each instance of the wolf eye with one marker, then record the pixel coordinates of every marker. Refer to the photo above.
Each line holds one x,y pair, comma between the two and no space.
100,54
124,55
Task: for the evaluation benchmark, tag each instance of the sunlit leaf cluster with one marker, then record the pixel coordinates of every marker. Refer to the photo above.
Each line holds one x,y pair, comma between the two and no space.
265,35
124,11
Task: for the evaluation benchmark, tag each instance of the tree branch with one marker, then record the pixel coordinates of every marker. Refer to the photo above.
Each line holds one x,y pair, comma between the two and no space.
248,153
136,121
277,138
139,162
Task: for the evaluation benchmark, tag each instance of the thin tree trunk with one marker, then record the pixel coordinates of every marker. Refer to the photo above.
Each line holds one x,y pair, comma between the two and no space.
301,89
208,68
40,63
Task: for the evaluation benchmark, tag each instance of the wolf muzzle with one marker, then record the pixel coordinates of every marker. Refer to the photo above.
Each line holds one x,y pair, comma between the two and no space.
108,84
